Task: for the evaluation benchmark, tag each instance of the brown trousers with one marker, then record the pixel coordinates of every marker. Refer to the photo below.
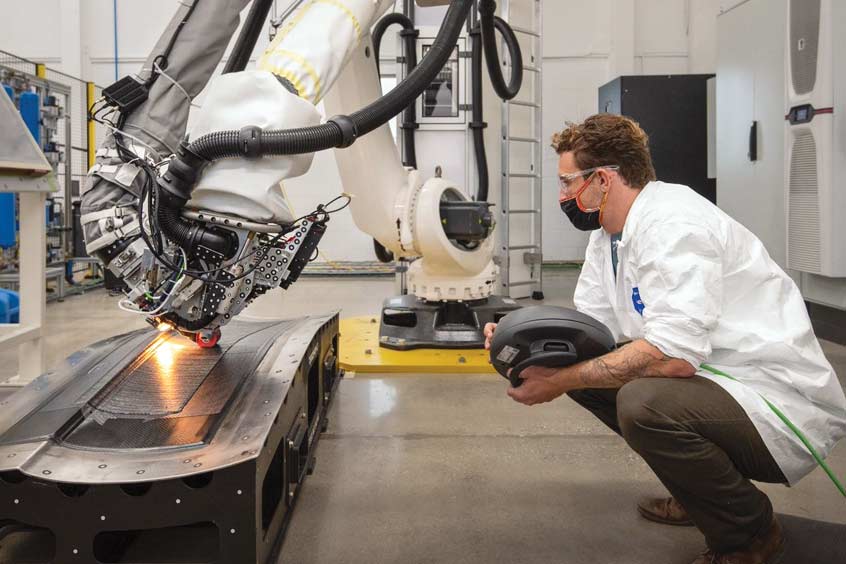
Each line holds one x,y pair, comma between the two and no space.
702,446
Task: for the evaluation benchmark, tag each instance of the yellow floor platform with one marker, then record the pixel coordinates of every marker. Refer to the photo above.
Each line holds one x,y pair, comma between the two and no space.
360,352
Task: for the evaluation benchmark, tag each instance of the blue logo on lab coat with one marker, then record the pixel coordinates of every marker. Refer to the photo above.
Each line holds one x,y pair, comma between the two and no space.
638,303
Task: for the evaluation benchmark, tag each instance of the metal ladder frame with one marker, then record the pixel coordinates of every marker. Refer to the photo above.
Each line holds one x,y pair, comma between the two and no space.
534,250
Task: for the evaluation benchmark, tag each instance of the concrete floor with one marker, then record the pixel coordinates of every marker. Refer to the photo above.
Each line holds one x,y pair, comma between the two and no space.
446,468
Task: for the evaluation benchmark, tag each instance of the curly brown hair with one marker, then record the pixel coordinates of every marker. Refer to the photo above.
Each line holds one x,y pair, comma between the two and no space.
609,139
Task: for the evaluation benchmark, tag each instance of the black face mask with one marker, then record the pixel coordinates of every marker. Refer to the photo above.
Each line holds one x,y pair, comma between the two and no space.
582,221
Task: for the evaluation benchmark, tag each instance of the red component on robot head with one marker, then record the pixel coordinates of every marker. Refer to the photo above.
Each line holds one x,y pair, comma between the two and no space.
210,341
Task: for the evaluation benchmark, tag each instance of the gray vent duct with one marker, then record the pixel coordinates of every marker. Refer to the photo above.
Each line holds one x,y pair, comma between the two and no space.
803,246
804,44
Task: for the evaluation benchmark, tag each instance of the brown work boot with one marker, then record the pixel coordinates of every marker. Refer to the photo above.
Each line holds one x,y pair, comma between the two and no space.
664,510
764,549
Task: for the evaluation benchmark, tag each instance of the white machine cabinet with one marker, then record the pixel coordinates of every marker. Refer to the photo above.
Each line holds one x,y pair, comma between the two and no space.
755,144
750,119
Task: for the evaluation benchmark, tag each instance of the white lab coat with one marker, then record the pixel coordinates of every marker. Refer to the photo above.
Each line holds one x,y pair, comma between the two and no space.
701,287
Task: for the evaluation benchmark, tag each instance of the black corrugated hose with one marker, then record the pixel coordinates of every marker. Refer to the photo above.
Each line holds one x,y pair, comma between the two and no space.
338,132
341,131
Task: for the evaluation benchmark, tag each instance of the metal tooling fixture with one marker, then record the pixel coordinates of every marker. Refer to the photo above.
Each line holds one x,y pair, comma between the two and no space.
147,448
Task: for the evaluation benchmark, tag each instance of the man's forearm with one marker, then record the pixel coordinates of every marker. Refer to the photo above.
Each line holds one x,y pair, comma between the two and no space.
638,359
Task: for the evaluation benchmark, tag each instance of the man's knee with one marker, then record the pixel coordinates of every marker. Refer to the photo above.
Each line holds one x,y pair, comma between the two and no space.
639,412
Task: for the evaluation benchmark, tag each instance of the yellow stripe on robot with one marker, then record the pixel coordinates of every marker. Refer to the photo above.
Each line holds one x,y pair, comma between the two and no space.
263,62
269,60
338,4
290,76
306,66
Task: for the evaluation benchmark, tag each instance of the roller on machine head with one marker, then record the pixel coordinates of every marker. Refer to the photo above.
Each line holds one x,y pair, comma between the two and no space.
546,336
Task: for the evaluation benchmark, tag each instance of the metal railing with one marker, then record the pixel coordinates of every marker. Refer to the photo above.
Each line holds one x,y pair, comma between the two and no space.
83,134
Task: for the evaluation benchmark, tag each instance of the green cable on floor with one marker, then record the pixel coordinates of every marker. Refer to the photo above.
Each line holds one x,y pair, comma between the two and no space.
791,426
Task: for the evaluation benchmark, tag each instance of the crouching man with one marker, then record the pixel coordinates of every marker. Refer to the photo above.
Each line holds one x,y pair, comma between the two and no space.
715,327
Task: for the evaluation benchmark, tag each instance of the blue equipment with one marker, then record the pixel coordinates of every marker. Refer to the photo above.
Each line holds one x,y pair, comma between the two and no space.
10,306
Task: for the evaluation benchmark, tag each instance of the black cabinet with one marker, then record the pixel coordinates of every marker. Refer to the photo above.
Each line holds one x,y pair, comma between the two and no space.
673,110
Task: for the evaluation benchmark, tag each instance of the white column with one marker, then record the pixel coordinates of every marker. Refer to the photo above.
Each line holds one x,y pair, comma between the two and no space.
702,36
33,239
622,57
70,15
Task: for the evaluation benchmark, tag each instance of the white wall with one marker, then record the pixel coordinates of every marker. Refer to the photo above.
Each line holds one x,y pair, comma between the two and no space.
586,44
33,30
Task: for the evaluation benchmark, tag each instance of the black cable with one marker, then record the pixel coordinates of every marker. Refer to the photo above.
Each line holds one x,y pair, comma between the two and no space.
321,210
489,22
337,132
409,116
149,196
200,274
269,245
379,112
342,131
250,31
173,189
94,110
382,26
265,249
477,123
382,253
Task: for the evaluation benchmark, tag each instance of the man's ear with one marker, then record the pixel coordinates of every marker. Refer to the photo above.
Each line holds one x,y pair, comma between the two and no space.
604,181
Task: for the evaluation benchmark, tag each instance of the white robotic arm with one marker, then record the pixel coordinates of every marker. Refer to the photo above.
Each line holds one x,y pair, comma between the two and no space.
216,230
400,210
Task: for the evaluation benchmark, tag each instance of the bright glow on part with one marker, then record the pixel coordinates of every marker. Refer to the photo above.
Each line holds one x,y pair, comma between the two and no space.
164,326
165,357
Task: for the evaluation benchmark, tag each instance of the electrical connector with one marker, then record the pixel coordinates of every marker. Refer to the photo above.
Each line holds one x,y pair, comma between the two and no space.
126,94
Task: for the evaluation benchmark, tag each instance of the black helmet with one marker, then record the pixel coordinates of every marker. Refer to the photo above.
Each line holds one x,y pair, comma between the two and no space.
546,336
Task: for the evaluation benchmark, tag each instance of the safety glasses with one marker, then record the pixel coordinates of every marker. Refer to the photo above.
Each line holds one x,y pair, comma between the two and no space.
569,186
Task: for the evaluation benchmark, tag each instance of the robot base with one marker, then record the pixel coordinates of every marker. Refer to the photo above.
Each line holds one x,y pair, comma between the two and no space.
409,322
147,448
